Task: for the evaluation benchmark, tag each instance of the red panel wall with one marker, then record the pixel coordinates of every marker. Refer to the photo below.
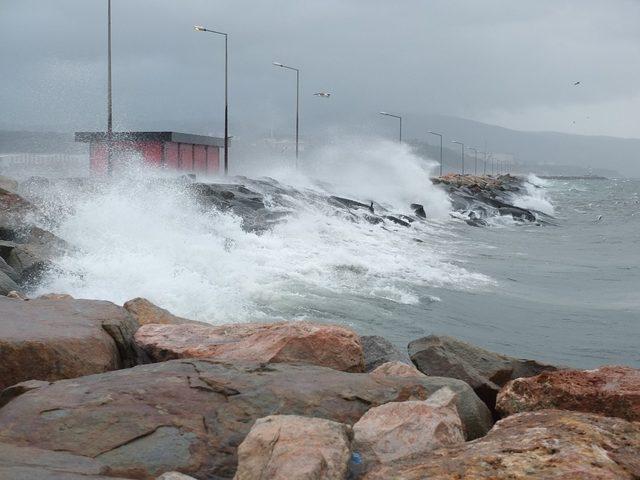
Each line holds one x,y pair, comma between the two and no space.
199,158
171,159
98,157
186,156
213,159
151,153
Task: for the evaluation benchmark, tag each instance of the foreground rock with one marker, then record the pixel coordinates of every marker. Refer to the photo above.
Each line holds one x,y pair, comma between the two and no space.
398,369
191,415
284,342
397,430
551,444
146,312
28,463
613,391
46,339
290,447
379,350
485,371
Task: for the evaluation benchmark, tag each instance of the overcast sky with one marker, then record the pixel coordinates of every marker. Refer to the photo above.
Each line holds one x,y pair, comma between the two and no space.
507,62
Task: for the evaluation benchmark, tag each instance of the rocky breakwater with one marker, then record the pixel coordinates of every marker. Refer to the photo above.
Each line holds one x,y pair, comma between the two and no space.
477,198
26,250
285,400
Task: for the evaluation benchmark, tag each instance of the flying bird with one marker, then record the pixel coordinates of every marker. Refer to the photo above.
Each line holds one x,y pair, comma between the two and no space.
576,83
322,94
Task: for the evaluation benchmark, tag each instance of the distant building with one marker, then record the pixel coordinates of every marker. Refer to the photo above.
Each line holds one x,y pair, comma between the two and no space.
172,150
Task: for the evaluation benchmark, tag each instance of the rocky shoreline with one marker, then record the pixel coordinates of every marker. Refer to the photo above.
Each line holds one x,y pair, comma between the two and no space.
94,390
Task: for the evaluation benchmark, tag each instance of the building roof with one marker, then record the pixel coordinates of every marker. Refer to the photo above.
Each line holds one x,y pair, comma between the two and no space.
176,137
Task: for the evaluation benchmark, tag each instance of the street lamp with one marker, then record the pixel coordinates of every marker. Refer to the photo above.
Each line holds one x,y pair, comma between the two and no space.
462,145
200,28
439,135
476,160
484,169
109,98
297,103
395,116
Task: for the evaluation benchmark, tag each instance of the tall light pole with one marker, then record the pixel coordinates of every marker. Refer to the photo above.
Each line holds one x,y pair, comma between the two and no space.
484,170
297,104
109,98
475,172
386,114
462,145
200,28
439,135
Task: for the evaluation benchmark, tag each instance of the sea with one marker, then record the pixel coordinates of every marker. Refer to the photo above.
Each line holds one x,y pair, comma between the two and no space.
565,291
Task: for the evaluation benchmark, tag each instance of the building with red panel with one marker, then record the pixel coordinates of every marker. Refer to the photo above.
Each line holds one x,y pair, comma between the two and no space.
176,151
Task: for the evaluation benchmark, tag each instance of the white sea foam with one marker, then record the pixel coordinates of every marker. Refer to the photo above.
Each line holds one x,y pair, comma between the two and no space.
535,197
141,237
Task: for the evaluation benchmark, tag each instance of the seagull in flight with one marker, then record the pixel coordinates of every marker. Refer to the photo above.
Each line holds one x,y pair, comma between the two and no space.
576,83
322,94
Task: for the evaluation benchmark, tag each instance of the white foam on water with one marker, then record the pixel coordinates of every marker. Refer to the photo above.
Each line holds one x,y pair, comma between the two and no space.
140,237
535,197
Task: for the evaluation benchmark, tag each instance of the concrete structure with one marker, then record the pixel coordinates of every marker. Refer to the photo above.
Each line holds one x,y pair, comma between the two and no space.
176,151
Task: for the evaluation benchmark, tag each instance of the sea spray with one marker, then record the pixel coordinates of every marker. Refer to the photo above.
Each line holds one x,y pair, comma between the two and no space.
144,235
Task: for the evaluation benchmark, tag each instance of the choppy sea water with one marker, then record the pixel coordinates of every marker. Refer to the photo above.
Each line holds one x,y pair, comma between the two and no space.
565,293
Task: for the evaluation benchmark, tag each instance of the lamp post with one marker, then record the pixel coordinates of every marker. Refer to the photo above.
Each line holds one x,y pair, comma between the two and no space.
109,97
462,145
200,28
394,116
439,135
297,104
475,171
484,169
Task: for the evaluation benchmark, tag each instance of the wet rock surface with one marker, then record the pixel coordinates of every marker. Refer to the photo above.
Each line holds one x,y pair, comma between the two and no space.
477,198
485,371
282,342
26,250
191,415
290,447
550,444
28,463
47,339
613,391
379,350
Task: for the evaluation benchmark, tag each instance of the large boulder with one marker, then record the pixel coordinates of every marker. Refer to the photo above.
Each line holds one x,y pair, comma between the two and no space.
485,371
476,417
7,284
290,447
398,430
379,350
46,339
190,415
399,369
146,312
283,342
550,444
28,463
613,391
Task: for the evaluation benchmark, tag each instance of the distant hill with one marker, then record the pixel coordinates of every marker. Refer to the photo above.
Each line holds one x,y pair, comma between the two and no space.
570,154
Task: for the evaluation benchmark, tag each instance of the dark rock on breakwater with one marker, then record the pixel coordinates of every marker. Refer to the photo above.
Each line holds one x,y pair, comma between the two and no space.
487,372
477,198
